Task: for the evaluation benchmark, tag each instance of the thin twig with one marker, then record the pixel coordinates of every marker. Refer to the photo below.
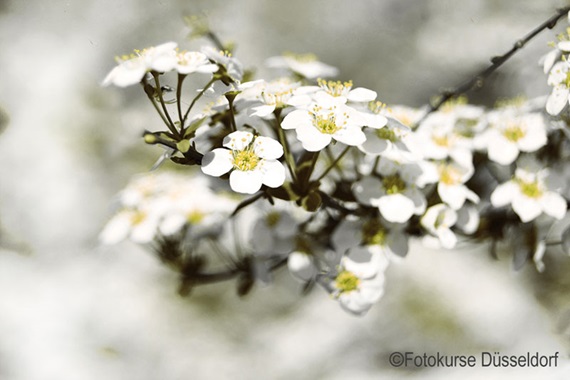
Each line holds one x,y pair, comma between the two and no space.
478,80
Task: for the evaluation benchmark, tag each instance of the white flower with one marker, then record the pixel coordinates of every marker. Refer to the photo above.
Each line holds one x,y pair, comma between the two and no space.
132,68
438,220
139,225
301,265
332,93
559,78
231,65
359,282
510,134
272,95
451,188
193,61
305,65
251,160
319,125
396,194
353,233
530,194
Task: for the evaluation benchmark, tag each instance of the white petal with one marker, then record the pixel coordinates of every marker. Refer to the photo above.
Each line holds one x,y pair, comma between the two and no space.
446,237
247,182
172,224
503,194
238,140
346,235
526,208
373,144
396,208
468,219
549,59
267,148
296,119
553,204
361,94
116,230
367,189
350,136
564,45
217,162
312,139
301,266
557,100
273,173
502,151
262,111
453,195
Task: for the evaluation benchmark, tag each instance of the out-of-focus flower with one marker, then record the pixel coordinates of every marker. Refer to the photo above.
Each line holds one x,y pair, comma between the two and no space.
251,160
508,134
451,186
359,281
305,65
193,61
353,233
530,193
396,195
132,68
438,221
269,96
559,78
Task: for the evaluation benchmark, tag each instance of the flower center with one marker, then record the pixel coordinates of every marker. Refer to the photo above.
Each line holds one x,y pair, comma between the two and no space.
325,123
530,189
335,88
195,217
393,184
386,134
138,217
346,281
376,106
449,175
373,233
567,80
464,127
449,105
272,219
441,140
277,99
513,132
245,160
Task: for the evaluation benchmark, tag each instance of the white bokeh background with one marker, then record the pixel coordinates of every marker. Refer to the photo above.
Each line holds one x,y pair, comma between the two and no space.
71,310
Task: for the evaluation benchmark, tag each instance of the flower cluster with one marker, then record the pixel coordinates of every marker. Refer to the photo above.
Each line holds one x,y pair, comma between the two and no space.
331,181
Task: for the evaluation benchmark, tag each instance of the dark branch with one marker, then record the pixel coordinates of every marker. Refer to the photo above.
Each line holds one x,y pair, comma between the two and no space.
478,80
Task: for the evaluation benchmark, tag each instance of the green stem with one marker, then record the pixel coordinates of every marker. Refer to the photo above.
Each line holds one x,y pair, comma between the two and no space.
233,126
153,101
181,78
169,124
287,152
333,164
195,100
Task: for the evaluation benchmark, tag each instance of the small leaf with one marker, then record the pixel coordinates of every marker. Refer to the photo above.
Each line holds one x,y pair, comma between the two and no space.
312,202
189,132
183,146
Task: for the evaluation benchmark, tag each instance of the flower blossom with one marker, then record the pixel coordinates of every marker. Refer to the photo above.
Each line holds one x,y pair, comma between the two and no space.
132,68
509,134
396,194
530,193
321,123
251,160
359,280
559,79
305,65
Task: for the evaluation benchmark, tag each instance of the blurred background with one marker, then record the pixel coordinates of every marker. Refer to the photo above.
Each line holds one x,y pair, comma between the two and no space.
70,309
